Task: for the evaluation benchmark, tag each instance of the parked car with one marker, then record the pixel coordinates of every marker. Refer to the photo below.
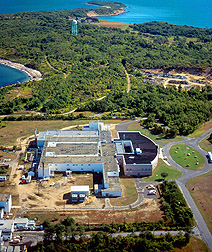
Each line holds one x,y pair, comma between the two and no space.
152,192
150,187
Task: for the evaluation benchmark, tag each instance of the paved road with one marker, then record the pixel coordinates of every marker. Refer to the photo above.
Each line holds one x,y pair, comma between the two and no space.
188,174
202,228
33,237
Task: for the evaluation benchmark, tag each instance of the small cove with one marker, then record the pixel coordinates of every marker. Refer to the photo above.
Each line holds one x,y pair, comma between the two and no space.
10,75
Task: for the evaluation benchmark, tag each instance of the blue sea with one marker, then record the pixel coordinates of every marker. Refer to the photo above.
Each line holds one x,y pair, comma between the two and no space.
196,13
9,75
184,12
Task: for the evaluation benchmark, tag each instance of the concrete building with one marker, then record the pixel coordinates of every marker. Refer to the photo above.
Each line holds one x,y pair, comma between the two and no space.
79,193
92,150
7,227
136,153
89,150
5,202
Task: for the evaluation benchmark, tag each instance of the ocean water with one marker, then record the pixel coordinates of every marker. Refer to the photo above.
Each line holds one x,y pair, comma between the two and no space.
9,75
184,12
196,13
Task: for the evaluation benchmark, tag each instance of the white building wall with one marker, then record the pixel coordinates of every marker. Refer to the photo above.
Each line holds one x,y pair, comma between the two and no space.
7,205
45,173
1,213
155,161
138,169
77,167
111,193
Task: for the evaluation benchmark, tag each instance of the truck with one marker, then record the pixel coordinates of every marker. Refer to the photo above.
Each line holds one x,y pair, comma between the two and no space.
210,157
138,151
28,179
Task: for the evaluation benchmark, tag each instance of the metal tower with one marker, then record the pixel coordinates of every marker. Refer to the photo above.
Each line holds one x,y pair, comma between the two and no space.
74,27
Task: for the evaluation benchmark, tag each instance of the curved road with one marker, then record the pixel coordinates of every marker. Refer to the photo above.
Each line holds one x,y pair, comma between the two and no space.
202,229
188,174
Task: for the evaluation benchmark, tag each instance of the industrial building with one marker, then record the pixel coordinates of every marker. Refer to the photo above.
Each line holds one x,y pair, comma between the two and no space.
79,193
5,204
92,150
137,154
7,227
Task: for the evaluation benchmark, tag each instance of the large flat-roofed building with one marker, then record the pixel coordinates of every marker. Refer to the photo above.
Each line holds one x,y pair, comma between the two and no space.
92,150
136,153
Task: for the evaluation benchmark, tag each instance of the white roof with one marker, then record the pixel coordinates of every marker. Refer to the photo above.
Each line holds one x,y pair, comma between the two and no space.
80,188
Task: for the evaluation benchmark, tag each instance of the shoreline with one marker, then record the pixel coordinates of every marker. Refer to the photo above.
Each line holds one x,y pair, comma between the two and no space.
33,74
92,13
116,13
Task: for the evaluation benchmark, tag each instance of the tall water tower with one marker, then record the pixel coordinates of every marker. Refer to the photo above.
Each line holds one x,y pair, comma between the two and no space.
74,27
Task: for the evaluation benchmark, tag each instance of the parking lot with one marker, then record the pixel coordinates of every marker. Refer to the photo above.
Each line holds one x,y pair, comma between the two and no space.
142,188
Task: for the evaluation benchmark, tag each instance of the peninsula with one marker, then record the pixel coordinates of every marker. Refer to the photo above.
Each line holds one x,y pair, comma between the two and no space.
112,8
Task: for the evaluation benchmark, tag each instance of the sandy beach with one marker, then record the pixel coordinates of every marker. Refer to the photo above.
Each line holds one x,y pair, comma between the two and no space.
94,14
33,74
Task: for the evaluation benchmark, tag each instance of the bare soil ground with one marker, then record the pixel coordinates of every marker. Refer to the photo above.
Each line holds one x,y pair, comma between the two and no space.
201,191
148,211
42,195
191,74
6,155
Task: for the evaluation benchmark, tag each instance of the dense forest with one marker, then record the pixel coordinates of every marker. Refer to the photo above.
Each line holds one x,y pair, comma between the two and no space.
146,242
77,70
165,29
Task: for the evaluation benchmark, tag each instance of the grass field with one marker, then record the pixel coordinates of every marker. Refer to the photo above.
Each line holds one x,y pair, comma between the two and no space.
187,157
206,145
157,138
195,245
129,193
104,23
163,167
203,128
201,191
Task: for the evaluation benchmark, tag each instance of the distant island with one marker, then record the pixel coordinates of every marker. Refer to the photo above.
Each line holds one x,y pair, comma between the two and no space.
112,8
